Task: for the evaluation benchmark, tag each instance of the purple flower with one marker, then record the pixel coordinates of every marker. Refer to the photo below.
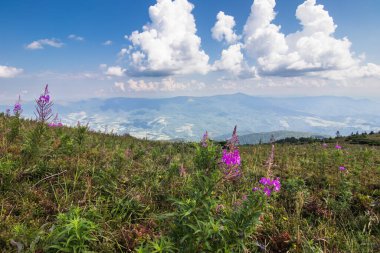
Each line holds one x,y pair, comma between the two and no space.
324,145
268,185
338,146
342,168
43,107
204,140
255,189
56,122
44,99
276,184
267,191
264,181
17,109
231,158
234,141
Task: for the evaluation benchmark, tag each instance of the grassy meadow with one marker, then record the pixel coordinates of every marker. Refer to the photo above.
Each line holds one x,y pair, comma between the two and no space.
73,190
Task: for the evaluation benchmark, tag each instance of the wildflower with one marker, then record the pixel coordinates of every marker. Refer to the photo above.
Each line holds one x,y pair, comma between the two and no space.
337,146
342,168
324,145
267,191
231,158
268,185
234,141
204,140
17,107
43,107
56,122
264,181
276,184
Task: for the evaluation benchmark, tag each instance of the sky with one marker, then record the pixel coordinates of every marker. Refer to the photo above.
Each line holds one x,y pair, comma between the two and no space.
165,48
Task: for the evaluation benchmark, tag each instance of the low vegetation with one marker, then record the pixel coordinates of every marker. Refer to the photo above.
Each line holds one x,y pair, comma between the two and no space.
73,190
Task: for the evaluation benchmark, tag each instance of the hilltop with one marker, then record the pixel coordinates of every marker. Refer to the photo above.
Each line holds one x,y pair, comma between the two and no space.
65,189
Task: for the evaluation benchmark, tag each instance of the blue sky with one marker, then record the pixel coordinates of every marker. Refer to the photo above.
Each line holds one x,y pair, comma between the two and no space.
86,48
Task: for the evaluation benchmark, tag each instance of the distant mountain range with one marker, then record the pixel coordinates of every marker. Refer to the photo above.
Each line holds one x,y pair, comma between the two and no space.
265,137
189,117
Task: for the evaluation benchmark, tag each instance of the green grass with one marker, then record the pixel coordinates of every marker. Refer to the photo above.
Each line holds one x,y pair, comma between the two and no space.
72,190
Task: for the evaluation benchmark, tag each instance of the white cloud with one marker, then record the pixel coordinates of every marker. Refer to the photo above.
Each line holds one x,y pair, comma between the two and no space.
141,85
124,51
169,84
120,86
75,37
169,44
164,85
231,60
115,71
9,72
223,28
107,43
39,44
311,51
368,70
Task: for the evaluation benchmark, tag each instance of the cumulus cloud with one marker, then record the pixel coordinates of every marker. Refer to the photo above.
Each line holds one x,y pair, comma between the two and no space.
9,72
313,50
223,28
107,43
115,71
231,60
75,37
168,44
39,44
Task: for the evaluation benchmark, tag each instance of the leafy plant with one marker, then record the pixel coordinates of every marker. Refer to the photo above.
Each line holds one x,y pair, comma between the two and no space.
72,233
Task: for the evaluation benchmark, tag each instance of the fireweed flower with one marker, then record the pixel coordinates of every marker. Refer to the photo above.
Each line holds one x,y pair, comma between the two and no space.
43,107
268,186
337,146
342,168
56,122
267,191
204,140
17,109
231,158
